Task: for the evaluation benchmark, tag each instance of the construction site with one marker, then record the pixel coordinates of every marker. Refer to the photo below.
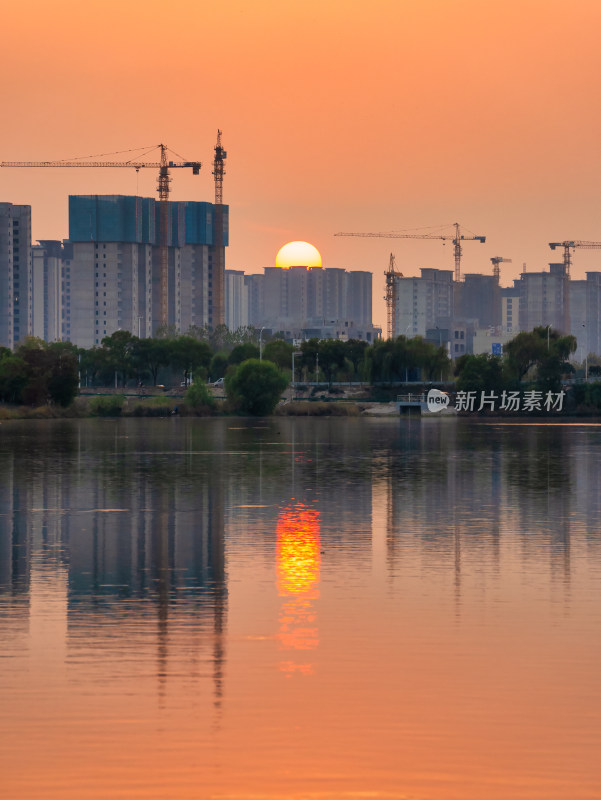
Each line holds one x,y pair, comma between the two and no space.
133,263
149,264
473,313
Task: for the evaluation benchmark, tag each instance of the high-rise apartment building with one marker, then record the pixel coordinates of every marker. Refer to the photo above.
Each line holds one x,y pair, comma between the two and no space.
114,279
312,298
424,303
544,299
510,308
47,289
16,312
359,297
236,299
480,299
585,314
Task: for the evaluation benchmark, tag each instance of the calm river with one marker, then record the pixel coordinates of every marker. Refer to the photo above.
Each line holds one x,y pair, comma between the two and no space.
300,609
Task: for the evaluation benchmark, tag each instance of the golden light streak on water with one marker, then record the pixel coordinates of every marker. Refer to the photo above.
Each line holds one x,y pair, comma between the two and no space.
298,565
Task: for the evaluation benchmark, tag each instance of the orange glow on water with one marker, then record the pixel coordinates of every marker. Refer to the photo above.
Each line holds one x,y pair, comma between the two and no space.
298,564
298,552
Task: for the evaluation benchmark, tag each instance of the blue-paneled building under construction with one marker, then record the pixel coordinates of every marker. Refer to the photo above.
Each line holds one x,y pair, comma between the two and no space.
111,269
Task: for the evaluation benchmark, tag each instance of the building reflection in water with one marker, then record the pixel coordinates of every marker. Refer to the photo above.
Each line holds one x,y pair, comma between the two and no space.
474,495
130,543
298,564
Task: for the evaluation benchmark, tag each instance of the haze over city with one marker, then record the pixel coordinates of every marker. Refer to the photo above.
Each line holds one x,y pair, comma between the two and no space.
336,116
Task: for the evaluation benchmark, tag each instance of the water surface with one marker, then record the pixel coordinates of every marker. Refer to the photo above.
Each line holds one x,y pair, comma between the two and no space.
299,609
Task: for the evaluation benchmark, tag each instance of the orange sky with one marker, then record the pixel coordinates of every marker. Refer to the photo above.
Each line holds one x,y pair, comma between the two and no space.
336,114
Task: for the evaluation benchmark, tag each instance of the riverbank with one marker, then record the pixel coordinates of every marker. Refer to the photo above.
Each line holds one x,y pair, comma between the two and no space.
112,405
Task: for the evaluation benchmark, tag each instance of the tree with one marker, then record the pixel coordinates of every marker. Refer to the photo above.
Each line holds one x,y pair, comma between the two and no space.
95,364
187,354
244,334
242,352
255,387
63,384
331,357
51,372
481,373
200,332
218,366
543,348
279,352
149,355
309,358
221,338
355,350
120,347
430,358
165,331
13,377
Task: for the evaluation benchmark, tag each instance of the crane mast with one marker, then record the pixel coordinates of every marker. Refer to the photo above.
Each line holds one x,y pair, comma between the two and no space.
163,181
496,269
163,189
568,246
390,297
219,170
218,268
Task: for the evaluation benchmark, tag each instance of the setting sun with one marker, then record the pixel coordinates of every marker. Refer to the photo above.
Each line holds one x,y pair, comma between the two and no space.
298,254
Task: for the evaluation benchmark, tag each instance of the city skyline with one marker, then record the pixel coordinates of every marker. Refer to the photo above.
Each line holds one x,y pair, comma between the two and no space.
396,117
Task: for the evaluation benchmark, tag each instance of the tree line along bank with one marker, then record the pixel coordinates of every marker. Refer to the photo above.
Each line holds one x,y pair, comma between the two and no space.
256,372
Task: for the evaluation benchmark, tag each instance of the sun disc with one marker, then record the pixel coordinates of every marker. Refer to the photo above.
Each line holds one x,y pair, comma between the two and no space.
298,254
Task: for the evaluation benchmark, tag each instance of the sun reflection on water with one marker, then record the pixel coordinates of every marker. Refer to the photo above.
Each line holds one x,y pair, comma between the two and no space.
298,563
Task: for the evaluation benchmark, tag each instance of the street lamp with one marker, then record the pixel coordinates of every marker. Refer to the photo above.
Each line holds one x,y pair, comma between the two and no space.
261,343
294,353
439,346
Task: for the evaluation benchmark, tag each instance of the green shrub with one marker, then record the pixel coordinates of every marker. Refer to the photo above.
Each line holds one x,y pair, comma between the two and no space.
306,408
107,406
150,410
255,387
199,397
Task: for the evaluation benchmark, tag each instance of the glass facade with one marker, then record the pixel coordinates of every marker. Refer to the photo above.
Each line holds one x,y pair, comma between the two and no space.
136,220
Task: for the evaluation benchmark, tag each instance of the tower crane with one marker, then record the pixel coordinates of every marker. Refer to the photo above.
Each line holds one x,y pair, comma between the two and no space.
456,239
496,270
571,245
163,182
218,277
390,297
